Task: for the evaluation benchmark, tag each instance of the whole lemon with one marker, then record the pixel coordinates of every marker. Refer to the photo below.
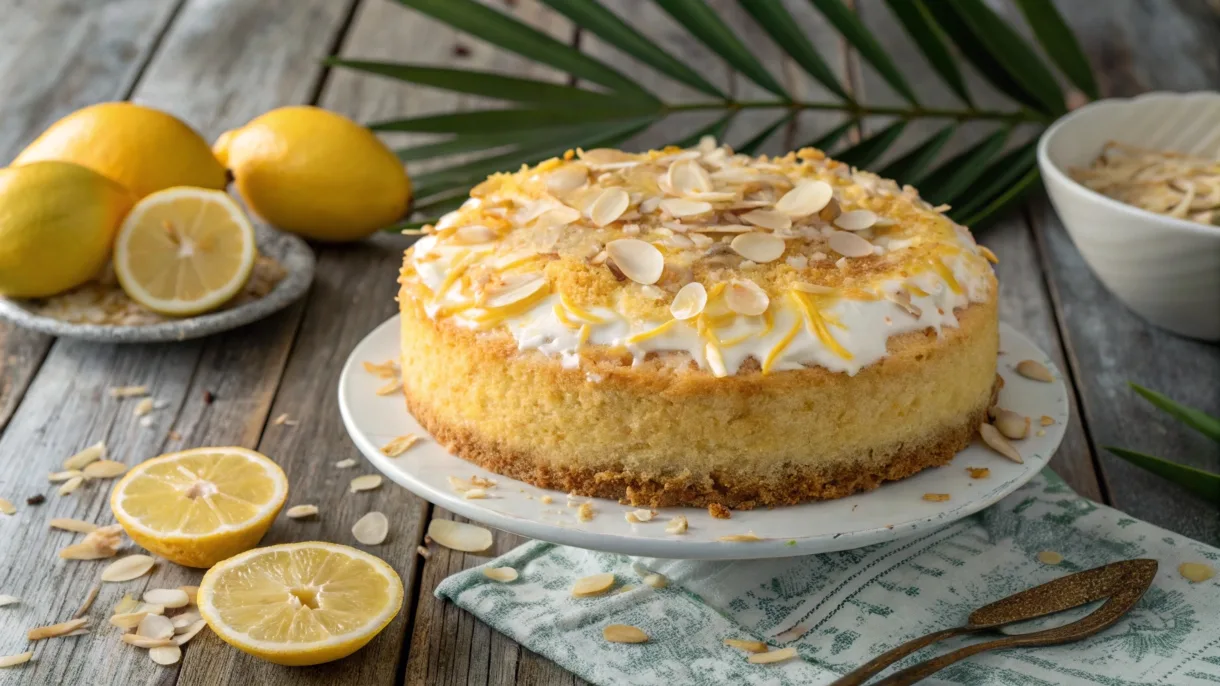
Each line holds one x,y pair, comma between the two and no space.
57,223
315,173
141,148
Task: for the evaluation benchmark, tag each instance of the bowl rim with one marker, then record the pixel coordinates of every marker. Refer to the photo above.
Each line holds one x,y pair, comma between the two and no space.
1051,169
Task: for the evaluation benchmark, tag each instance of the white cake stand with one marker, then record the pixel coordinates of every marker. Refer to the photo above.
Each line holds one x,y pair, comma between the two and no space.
893,511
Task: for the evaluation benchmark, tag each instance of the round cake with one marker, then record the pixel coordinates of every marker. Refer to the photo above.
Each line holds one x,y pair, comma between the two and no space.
698,327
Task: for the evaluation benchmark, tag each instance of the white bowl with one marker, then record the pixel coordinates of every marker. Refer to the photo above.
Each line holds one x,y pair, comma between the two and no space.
1167,270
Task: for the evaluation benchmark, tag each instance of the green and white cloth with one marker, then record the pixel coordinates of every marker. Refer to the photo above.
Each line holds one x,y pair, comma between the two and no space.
841,609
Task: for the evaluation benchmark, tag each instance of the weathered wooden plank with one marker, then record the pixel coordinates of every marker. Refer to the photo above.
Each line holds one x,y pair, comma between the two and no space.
57,56
67,406
1137,47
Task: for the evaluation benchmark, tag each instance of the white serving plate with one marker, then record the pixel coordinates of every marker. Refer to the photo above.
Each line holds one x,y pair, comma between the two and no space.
895,510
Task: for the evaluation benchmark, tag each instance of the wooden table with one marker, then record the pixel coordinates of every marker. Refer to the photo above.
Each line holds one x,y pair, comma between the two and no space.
218,63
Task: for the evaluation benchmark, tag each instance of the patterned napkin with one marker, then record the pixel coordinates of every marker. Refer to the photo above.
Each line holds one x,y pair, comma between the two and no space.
841,609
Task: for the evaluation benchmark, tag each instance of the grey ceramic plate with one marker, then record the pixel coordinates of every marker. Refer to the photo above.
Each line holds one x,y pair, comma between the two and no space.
291,252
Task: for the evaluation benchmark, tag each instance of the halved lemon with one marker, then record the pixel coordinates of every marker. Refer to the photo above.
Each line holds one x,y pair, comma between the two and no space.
183,251
300,603
198,507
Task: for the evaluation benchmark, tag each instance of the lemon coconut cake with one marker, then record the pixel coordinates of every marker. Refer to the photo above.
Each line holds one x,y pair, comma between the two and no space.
698,327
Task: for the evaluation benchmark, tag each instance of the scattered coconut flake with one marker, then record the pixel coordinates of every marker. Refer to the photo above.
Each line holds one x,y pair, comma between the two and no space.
595,584
849,244
56,630
656,580
7,507
978,472
501,574
624,633
681,207
609,206
14,660
125,605
94,452
1196,572
182,623
677,525
689,301
302,511
165,655
143,407
1011,424
637,516
344,464
366,482
473,234
1050,557
743,296
996,441
167,597
740,538
128,568
128,391
127,620
748,646
806,198
8,600
371,529
856,220
145,642
585,512
758,247
104,469
181,638
1034,370
773,656
768,219
71,485
467,538
637,260
155,626
399,445
475,494
100,543
936,497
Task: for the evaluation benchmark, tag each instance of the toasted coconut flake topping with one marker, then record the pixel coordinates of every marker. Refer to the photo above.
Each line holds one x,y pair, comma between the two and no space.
639,261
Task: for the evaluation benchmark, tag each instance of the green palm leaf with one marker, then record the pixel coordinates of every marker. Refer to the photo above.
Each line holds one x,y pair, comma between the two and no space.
1002,204
1060,45
909,168
705,25
501,29
1199,421
604,24
870,149
545,118
783,29
862,39
920,26
1198,481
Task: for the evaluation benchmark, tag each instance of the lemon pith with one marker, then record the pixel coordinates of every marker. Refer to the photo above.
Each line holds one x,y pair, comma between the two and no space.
183,251
200,506
57,223
300,603
141,148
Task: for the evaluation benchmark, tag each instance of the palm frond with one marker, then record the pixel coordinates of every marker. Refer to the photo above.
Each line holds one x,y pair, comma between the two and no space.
541,118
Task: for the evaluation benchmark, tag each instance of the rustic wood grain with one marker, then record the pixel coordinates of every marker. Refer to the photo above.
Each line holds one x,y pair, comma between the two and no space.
67,407
57,56
1137,47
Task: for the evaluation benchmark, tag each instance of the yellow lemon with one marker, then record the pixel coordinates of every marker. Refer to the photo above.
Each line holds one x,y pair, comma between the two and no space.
315,173
182,251
300,603
141,148
198,507
57,223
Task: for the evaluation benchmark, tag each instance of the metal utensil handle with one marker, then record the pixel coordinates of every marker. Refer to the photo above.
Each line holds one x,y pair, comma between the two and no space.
866,671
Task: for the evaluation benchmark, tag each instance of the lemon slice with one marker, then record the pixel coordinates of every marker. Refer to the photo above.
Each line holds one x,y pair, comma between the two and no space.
198,507
183,251
300,603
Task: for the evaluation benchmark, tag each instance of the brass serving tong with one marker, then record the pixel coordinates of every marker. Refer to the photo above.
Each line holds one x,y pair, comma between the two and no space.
1120,584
